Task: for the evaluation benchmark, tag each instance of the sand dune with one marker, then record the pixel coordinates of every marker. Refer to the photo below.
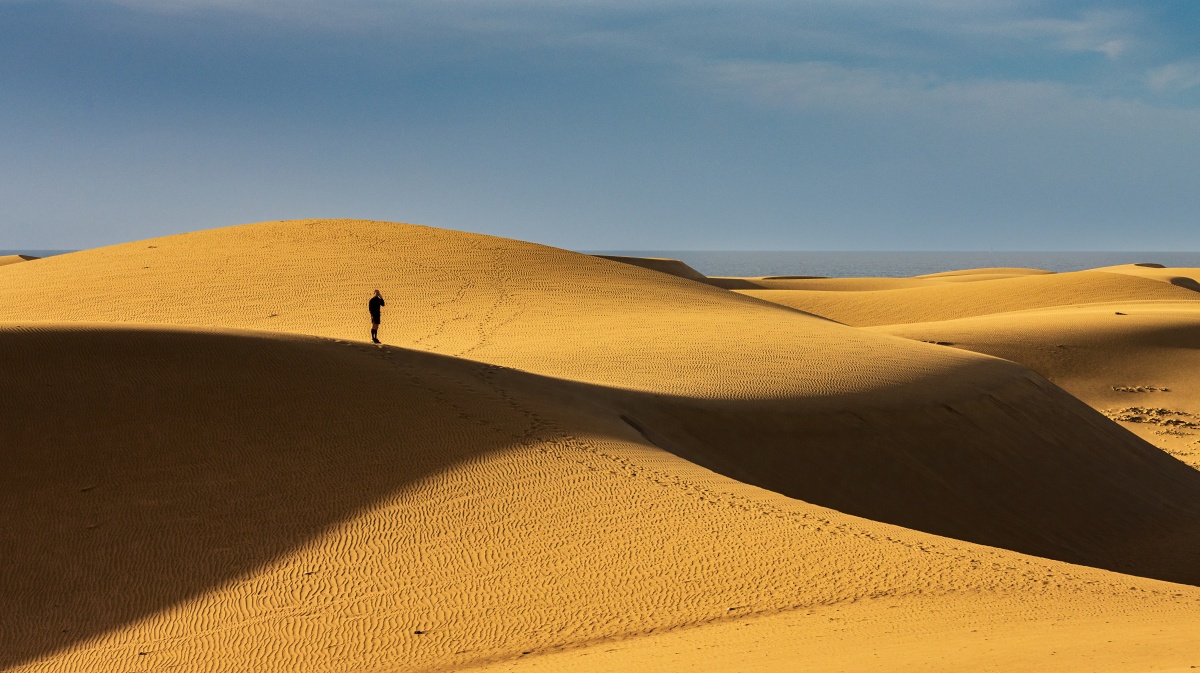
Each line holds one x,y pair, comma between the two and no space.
211,470
949,634
870,284
673,267
987,273
899,431
940,300
238,501
1136,362
5,260
1181,277
509,303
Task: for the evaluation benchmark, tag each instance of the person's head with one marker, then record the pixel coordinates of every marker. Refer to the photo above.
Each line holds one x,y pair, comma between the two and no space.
377,293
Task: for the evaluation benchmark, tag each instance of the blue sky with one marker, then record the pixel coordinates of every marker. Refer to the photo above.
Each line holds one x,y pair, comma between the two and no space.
596,124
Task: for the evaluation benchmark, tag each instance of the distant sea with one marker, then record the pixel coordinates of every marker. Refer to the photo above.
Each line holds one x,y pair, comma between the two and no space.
34,253
896,264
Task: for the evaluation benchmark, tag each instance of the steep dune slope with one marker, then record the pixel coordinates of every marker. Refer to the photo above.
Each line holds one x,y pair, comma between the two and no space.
931,438
937,299
1137,362
666,265
221,501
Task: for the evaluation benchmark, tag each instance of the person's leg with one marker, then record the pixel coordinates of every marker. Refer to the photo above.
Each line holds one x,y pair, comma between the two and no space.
375,332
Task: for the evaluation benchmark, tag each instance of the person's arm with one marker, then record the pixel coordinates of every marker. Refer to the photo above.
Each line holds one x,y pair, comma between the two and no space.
381,301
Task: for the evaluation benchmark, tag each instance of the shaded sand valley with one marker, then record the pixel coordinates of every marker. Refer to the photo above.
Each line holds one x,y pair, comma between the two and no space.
560,461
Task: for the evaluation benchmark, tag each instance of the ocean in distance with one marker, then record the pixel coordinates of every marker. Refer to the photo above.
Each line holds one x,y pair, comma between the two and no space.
34,253
896,264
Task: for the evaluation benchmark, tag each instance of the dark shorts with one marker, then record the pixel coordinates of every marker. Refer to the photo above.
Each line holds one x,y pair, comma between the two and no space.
374,319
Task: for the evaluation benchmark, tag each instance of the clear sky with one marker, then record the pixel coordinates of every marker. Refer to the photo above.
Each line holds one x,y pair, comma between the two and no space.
598,124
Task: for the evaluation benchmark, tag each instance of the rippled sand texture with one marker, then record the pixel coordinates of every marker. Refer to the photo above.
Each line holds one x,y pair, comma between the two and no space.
562,462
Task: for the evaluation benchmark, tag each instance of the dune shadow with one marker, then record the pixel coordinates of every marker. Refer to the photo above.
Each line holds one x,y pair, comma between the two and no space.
1186,283
1027,468
142,468
734,283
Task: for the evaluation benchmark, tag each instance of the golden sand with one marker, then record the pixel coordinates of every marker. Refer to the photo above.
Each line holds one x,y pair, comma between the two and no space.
5,260
908,300
561,462
1137,363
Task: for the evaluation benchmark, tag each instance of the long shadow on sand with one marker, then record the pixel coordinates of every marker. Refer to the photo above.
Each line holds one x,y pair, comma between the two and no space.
143,467
140,467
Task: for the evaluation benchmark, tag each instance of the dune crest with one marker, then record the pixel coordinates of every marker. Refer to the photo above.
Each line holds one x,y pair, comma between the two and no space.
1180,277
988,272
673,267
505,302
911,300
6,260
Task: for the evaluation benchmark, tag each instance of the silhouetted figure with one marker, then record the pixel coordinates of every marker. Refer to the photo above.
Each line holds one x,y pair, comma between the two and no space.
373,306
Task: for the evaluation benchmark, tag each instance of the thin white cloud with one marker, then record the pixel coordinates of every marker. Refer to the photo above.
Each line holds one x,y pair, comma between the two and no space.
907,38
976,103
1111,33
1108,32
1174,77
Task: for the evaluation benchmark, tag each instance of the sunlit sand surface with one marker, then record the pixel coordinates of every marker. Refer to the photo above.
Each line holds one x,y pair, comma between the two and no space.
888,301
5,260
563,462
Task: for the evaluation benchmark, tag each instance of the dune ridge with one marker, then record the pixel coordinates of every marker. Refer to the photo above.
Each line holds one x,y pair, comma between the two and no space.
886,302
509,303
665,265
6,260
989,272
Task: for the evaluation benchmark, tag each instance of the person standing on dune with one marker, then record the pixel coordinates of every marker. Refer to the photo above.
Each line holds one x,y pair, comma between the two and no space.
373,306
